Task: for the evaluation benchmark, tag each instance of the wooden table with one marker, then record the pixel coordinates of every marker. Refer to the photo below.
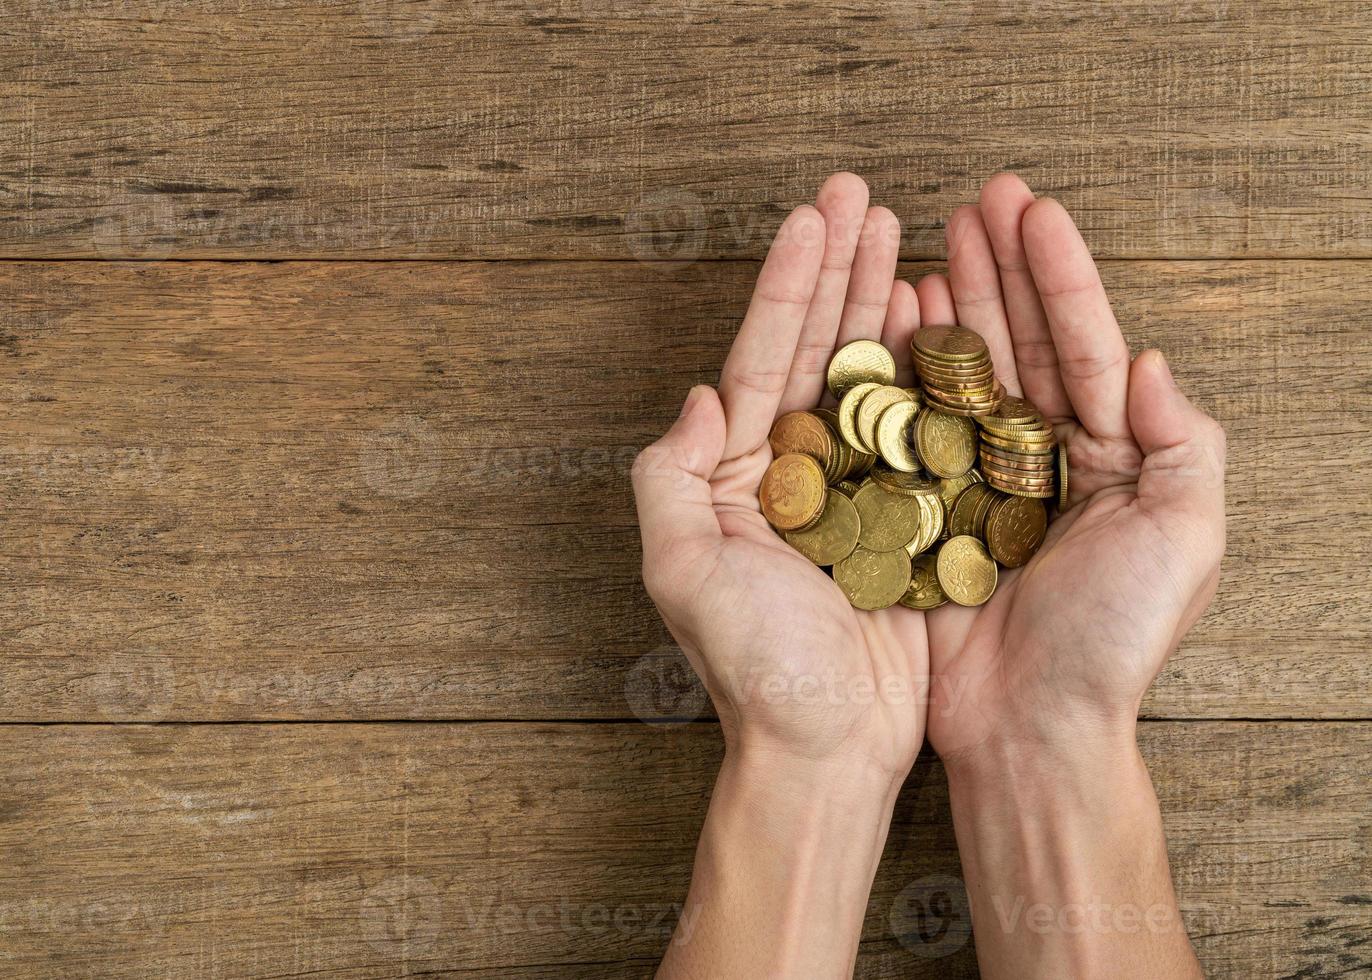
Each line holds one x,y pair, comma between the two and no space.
322,645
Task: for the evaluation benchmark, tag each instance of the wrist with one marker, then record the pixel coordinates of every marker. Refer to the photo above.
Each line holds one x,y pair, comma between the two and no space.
865,788
1048,749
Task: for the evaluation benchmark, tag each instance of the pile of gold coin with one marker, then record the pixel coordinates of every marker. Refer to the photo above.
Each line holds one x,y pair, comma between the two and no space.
915,495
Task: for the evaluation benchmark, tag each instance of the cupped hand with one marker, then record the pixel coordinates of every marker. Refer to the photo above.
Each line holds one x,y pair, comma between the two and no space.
791,667
1067,645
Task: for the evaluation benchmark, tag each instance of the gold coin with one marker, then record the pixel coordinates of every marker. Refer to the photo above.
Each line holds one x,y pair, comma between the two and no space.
792,493
948,490
835,535
847,488
1014,411
947,444
873,579
803,432
894,439
906,484
1063,499
847,413
966,572
930,526
888,520
949,343
962,519
1019,491
1030,442
1015,528
870,410
860,362
924,592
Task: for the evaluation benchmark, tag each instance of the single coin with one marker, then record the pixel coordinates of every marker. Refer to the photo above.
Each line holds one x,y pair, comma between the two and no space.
834,536
930,525
1063,498
803,432
924,592
906,484
847,488
847,413
948,490
870,410
792,493
860,362
948,343
947,444
1014,530
893,436
966,572
1014,411
961,519
888,520
873,579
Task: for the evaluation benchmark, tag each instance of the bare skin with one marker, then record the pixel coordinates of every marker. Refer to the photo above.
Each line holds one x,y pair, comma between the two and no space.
1030,699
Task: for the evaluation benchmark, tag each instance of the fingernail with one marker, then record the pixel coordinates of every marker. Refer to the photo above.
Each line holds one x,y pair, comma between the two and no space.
692,397
1166,369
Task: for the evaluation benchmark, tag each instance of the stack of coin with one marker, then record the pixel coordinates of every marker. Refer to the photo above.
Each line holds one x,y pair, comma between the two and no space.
954,368
1019,451
903,495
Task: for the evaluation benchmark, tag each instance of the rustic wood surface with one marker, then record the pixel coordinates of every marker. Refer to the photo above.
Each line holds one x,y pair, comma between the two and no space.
381,490
515,128
549,851
236,494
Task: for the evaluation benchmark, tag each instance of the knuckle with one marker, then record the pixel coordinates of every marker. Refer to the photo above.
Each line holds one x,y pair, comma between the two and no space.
761,381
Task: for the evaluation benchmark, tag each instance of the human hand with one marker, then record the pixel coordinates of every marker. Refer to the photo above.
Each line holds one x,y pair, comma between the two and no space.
794,671
1068,644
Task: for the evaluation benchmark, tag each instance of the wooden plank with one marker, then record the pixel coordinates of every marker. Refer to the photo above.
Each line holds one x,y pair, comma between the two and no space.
389,490
563,850
509,128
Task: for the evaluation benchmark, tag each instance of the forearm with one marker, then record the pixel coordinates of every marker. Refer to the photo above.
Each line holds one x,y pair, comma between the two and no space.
783,871
1065,863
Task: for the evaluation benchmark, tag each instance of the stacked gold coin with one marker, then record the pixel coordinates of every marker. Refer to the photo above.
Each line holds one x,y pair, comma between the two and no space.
909,495
1018,452
954,367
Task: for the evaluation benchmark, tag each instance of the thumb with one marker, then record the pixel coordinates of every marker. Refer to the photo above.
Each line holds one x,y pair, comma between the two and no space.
671,482
1183,448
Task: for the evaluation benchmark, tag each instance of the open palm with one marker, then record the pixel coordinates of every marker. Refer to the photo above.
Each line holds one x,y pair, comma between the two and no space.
1070,642
787,661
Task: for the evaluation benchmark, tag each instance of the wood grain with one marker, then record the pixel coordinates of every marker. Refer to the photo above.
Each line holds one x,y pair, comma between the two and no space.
562,850
588,128
388,490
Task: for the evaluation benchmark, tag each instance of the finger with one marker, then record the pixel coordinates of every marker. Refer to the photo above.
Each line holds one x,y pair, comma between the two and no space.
758,364
975,281
671,484
1093,358
874,270
902,320
1183,466
842,201
935,300
1004,199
